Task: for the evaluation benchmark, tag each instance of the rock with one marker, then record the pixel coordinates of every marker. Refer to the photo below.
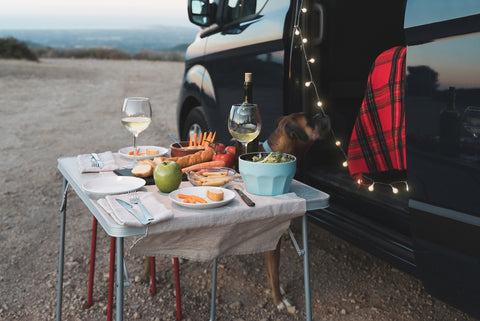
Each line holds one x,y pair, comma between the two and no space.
235,305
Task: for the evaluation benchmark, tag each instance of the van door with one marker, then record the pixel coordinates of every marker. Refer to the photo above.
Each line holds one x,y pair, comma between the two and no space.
443,155
250,39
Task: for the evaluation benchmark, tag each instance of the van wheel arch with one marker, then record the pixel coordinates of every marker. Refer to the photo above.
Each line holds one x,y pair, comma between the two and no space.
195,121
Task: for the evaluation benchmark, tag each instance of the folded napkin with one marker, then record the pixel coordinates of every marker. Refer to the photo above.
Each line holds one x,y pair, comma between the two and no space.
85,163
123,217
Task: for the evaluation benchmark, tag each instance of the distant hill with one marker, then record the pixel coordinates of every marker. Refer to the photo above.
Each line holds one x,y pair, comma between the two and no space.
157,38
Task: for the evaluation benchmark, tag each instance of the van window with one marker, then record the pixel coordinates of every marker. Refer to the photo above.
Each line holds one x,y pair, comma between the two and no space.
237,9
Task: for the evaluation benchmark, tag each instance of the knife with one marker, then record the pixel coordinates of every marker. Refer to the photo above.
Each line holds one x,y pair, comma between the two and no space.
245,198
97,159
129,208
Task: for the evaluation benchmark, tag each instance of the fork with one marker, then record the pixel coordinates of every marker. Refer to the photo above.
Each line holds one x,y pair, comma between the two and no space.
94,161
134,199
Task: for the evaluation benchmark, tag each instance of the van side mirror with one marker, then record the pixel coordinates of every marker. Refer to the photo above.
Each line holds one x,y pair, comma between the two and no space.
202,12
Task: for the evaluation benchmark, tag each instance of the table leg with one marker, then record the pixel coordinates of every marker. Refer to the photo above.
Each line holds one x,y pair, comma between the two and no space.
214,290
91,273
306,269
61,251
111,278
178,297
119,267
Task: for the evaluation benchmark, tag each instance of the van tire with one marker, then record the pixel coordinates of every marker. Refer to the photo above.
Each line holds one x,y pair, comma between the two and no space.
195,122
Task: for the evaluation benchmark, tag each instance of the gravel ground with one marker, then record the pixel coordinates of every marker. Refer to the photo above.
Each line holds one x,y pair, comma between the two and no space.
65,107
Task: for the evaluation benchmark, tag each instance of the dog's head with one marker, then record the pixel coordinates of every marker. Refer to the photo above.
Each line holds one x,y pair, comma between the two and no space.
295,133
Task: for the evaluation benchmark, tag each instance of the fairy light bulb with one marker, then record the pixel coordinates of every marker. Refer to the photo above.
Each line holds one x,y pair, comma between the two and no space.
371,188
297,31
345,164
394,190
308,83
359,181
311,60
304,40
304,10
406,186
338,143
319,103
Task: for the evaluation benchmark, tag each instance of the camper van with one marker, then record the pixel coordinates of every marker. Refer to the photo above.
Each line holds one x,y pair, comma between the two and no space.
306,55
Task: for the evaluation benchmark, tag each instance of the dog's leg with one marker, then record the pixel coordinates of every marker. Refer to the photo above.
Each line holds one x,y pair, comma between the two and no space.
146,270
272,262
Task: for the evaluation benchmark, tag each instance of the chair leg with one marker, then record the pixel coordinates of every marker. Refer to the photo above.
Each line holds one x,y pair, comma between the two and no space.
91,272
111,279
177,288
152,275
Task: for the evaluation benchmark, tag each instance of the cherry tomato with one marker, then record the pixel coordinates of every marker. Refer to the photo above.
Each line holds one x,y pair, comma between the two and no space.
216,146
231,150
228,158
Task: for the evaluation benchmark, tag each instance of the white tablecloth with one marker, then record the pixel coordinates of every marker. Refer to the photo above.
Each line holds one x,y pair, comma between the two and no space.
232,229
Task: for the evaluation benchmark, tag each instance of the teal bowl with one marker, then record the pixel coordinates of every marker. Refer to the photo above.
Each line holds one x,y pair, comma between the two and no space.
266,178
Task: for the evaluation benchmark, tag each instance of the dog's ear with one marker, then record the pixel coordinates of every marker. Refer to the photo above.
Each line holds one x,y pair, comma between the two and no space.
293,130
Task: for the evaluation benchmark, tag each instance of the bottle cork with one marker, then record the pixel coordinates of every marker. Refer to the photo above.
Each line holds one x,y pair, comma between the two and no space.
248,77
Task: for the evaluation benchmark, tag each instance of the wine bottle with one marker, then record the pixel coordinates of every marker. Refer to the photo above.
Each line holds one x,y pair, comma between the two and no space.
248,99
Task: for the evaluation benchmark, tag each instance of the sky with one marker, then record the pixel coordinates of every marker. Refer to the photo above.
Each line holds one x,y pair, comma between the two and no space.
71,14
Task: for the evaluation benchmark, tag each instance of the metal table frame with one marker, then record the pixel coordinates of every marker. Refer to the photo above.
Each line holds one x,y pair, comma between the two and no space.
72,177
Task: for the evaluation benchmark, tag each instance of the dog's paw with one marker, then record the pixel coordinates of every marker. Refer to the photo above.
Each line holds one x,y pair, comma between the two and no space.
286,304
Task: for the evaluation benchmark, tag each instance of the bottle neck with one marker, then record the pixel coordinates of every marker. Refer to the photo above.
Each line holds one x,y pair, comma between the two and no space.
248,92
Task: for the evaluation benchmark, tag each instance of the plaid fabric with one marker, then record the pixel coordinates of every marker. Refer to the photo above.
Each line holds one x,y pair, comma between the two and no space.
377,143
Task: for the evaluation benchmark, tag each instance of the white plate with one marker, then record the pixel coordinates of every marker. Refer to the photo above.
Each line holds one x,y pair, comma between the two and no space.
112,185
143,149
201,191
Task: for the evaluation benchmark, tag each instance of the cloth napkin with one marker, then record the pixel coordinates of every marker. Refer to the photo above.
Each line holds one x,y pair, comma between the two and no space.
85,163
123,217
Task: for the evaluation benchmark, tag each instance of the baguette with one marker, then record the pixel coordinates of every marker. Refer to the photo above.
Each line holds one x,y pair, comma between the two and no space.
142,170
215,194
189,160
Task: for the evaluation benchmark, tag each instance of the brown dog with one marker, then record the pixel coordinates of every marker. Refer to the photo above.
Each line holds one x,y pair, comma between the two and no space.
294,135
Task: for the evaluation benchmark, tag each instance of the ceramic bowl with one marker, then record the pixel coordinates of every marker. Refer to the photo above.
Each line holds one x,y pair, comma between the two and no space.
178,151
266,178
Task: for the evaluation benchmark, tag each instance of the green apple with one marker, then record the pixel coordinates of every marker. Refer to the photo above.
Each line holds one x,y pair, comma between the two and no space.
167,176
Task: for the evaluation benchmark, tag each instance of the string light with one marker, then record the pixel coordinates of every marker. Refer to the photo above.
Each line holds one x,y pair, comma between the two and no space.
311,83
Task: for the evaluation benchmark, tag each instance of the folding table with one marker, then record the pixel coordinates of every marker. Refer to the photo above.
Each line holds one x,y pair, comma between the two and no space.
315,199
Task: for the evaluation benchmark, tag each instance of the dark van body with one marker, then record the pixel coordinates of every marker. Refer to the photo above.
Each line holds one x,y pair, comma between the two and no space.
433,229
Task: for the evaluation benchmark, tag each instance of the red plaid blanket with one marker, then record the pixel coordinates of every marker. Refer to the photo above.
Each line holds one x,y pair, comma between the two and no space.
378,138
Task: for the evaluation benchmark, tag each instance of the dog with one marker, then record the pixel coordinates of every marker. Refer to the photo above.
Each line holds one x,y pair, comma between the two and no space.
294,134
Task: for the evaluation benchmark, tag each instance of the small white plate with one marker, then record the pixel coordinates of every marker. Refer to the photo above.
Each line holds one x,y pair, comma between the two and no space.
201,191
143,149
112,185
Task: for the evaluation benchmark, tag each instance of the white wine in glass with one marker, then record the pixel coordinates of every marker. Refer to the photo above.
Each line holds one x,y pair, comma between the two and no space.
244,123
136,117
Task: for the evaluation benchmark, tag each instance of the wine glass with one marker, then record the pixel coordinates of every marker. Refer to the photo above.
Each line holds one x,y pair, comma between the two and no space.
244,123
136,116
